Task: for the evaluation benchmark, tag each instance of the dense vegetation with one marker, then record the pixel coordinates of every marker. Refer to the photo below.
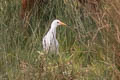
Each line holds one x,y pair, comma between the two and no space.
89,45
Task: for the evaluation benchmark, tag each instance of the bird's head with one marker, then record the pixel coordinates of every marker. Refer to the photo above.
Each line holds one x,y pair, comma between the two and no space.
57,22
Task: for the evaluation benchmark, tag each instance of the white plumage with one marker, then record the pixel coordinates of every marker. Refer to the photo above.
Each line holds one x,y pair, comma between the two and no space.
50,43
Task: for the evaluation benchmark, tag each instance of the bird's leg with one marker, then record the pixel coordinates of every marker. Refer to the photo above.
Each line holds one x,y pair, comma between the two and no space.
57,51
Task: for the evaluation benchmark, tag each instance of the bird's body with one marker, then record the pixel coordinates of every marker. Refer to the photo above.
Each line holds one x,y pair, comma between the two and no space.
50,43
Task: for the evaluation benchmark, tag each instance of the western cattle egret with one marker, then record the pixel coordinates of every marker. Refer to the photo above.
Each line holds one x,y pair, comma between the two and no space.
50,43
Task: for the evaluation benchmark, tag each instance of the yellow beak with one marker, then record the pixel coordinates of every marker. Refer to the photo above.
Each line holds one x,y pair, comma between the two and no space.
61,23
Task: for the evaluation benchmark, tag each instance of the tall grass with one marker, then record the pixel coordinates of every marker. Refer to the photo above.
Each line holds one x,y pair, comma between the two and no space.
89,45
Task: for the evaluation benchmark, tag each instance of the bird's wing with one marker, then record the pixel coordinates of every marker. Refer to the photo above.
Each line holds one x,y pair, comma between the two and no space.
44,42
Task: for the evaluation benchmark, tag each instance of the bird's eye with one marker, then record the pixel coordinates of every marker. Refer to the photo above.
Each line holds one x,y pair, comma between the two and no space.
57,22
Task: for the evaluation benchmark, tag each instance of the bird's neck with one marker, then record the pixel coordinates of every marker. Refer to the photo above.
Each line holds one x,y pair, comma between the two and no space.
53,31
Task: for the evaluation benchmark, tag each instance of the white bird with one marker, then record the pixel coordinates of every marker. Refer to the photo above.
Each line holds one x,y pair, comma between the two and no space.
50,43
